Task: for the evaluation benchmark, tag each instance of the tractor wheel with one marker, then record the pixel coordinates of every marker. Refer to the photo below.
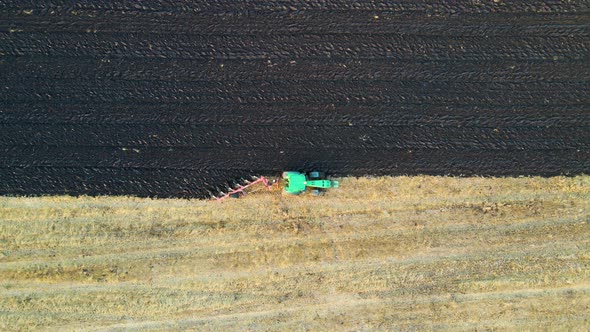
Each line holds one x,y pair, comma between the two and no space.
317,192
315,175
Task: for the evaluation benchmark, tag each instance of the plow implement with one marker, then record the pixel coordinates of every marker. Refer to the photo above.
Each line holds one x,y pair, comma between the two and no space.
240,190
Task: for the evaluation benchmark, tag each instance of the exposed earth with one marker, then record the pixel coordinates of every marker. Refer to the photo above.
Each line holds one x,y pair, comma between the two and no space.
181,98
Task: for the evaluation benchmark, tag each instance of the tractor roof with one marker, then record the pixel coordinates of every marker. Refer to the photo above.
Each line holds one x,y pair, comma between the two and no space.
295,182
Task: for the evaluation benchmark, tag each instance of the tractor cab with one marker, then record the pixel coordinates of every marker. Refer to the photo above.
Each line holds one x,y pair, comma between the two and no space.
295,182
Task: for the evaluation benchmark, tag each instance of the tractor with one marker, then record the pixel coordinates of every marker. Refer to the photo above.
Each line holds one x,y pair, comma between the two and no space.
297,183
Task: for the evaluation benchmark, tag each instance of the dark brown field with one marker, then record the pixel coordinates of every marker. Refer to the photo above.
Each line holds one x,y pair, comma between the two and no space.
180,98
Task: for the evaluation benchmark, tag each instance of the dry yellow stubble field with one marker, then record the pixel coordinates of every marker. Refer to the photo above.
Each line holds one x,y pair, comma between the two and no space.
391,253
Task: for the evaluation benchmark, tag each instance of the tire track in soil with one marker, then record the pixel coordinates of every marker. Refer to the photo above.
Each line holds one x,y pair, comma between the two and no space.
180,70
184,98
382,160
225,7
441,115
325,22
289,137
365,47
316,92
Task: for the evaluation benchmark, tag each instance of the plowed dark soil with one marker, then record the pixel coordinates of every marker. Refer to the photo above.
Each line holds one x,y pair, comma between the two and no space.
182,98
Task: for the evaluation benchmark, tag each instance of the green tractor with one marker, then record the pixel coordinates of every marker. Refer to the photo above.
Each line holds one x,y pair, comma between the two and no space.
296,182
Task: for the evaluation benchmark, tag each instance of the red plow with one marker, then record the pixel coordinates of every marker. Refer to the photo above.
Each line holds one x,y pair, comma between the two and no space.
240,190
